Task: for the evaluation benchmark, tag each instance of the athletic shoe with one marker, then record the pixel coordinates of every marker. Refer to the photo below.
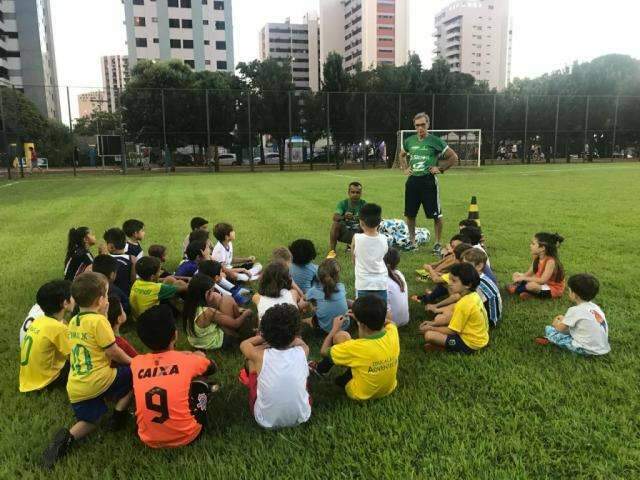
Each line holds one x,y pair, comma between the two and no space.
541,341
437,250
57,449
411,247
331,254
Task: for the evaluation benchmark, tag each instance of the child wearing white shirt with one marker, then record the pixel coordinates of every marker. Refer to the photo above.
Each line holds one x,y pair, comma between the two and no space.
368,251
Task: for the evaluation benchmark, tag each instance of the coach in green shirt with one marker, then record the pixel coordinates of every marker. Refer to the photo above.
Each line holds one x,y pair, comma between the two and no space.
346,219
422,151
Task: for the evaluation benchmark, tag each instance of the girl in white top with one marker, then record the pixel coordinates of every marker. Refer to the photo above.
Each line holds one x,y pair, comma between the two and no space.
276,370
368,250
276,287
397,291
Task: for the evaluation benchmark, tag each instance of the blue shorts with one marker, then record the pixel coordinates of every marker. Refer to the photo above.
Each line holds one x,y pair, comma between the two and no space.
382,294
91,410
455,344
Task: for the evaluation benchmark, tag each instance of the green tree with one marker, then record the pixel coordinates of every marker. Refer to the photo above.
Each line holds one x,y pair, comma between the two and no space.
97,123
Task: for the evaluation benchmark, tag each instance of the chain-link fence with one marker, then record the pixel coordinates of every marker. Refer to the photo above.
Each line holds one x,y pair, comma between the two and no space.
231,130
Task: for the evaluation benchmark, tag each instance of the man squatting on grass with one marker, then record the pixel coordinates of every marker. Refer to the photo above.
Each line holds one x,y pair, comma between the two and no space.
422,187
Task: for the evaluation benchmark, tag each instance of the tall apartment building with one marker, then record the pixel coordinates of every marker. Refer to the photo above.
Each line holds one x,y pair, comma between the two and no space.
91,102
28,60
198,32
474,36
365,32
299,42
115,75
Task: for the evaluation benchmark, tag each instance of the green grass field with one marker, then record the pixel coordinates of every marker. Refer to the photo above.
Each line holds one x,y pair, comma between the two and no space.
515,410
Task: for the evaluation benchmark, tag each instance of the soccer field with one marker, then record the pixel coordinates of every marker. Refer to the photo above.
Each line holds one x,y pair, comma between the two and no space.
514,410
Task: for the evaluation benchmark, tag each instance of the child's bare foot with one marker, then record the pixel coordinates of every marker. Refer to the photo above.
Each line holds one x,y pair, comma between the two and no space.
511,288
428,347
525,296
541,341
415,298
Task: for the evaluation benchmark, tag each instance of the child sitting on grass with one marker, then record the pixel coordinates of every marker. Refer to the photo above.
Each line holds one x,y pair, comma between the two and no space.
116,243
487,289
238,269
134,230
147,291
397,290
303,270
108,266
117,317
368,251
444,265
276,287
276,370
160,252
282,254
171,388
92,379
79,257
329,297
583,329
545,277
44,351
372,359
468,329
441,290
197,223
197,251
209,328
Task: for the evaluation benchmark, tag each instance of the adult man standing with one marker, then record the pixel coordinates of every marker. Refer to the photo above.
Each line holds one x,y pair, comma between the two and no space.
346,219
422,188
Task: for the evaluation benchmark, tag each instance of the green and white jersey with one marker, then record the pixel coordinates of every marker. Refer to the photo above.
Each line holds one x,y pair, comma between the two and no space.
424,153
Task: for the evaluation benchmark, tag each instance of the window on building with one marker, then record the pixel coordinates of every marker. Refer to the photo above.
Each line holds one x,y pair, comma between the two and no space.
139,21
191,63
205,22
174,23
156,40
220,25
221,65
207,62
141,42
221,45
138,2
187,44
185,3
187,23
174,43
218,5
204,2
173,3
207,42
154,19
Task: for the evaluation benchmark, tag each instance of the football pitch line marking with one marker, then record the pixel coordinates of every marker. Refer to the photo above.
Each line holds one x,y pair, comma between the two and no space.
8,184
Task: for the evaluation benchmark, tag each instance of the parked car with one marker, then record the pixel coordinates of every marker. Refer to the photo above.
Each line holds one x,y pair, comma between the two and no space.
226,159
270,158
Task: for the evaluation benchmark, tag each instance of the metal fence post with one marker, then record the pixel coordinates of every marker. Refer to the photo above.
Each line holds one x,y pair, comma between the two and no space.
251,165
206,106
526,132
73,161
493,130
365,147
555,137
467,127
164,134
399,111
586,127
123,146
615,127
4,134
433,111
289,152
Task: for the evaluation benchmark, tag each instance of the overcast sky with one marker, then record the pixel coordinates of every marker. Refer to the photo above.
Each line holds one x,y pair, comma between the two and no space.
547,34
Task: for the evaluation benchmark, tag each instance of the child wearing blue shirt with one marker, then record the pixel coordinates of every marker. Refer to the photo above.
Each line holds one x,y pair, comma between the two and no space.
329,296
302,270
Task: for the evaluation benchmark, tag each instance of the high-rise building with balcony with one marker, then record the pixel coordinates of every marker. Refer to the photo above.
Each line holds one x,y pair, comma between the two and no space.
115,75
474,36
198,32
298,42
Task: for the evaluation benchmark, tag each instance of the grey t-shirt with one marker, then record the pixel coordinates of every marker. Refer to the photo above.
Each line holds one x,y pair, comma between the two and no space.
588,328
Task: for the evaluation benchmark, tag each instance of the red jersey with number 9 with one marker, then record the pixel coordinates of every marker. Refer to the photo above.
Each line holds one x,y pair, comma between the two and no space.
161,385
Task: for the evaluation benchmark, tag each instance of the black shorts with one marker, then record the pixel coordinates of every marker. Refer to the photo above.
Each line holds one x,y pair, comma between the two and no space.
423,191
455,344
199,394
346,233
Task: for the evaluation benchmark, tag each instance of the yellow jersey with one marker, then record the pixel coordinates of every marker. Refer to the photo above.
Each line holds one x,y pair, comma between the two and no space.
373,361
145,294
43,353
470,321
91,373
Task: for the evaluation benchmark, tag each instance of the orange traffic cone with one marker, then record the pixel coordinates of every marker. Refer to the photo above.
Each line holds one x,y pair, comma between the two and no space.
474,213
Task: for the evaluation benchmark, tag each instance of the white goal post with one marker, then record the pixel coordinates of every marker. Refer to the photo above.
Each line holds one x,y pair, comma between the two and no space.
466,142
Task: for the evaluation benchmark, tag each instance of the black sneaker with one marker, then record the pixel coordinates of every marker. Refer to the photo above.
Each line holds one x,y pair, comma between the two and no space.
437,250
57,449
118,420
